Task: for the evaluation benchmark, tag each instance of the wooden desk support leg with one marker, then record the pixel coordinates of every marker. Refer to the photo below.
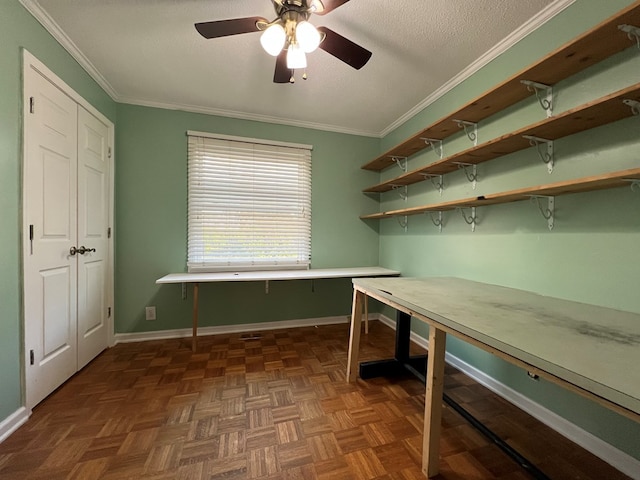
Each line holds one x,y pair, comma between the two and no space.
366,315
433,402
354,335
194,335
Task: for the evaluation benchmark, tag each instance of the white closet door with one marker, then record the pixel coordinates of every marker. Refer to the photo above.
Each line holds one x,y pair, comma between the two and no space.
67,200
50,272
93,218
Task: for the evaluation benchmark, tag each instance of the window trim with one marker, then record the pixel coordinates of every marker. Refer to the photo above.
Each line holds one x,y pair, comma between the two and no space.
259,141
242,266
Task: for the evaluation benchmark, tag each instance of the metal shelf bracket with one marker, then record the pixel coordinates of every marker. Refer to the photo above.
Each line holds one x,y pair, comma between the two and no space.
546,157
470,128
437,180
472,175
635,184
632,32
470,220
549,212
435,144
633,104
401,162
403,191
437,221
540,89
404,222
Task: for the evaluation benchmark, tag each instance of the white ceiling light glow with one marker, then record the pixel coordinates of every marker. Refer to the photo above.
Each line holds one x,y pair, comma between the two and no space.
273,39
307,36
296,57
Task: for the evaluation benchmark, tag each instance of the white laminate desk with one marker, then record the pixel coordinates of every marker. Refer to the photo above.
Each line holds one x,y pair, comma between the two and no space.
267,276
591,350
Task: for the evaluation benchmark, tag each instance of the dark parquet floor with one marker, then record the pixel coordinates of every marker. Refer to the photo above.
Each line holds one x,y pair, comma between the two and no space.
272,405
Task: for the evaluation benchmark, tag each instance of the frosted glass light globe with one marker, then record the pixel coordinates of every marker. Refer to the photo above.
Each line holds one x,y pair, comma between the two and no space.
296,57
272,39
307,37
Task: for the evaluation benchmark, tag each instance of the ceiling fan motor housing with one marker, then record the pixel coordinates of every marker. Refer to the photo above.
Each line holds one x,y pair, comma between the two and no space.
286,5
295,10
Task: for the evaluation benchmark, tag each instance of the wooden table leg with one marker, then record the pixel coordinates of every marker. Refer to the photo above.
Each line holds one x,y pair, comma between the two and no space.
194,335
366,314
354,336
433,402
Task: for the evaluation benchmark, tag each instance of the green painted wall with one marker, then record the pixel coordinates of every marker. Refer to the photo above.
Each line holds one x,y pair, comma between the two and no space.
592,254
151,203
18,29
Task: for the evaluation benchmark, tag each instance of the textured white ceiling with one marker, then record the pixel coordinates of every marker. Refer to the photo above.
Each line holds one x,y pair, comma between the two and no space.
148,52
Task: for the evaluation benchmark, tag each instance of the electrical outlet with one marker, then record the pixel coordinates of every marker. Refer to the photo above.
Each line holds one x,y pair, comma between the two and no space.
150,313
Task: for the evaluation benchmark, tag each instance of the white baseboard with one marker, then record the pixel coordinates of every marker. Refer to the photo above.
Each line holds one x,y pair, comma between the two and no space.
601,449
227,329
13,422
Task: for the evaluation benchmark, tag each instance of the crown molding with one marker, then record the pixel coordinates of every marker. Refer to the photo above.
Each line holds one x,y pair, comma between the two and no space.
58,34
525,29
248,116
61,37
54,29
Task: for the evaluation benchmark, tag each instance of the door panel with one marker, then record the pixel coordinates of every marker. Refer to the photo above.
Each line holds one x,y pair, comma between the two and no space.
93,214
50,272
56,197
93,289
57,315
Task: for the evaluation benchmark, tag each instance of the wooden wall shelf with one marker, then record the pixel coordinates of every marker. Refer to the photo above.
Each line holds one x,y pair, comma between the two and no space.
586,184
602,111
595,45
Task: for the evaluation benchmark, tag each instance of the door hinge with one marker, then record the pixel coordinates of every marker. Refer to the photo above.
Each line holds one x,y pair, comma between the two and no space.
31,239
109,152
32,105
108,312
109,232
32,357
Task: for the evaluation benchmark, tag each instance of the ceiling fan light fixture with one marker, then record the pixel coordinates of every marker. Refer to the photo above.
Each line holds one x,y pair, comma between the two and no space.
307,36
273,39
296,57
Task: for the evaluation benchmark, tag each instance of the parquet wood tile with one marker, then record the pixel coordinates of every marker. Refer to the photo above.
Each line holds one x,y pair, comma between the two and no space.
270,406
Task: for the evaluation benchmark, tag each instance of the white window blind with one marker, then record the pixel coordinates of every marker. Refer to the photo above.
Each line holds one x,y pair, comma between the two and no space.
249,204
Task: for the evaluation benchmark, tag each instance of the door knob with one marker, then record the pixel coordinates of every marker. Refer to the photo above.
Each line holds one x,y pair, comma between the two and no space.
82,250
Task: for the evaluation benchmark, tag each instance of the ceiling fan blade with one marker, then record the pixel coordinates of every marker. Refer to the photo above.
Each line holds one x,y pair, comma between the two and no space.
224,28
330,5
282,74
344,49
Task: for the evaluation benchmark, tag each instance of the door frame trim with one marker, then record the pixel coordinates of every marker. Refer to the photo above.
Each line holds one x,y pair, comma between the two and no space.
31,66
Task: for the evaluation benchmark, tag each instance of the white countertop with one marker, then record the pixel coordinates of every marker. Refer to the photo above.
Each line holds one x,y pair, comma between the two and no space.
317,273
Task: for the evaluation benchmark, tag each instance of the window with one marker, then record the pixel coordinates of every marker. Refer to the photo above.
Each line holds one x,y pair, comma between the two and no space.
249,204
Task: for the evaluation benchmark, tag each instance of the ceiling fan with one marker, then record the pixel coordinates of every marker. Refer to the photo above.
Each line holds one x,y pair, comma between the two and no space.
290,36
